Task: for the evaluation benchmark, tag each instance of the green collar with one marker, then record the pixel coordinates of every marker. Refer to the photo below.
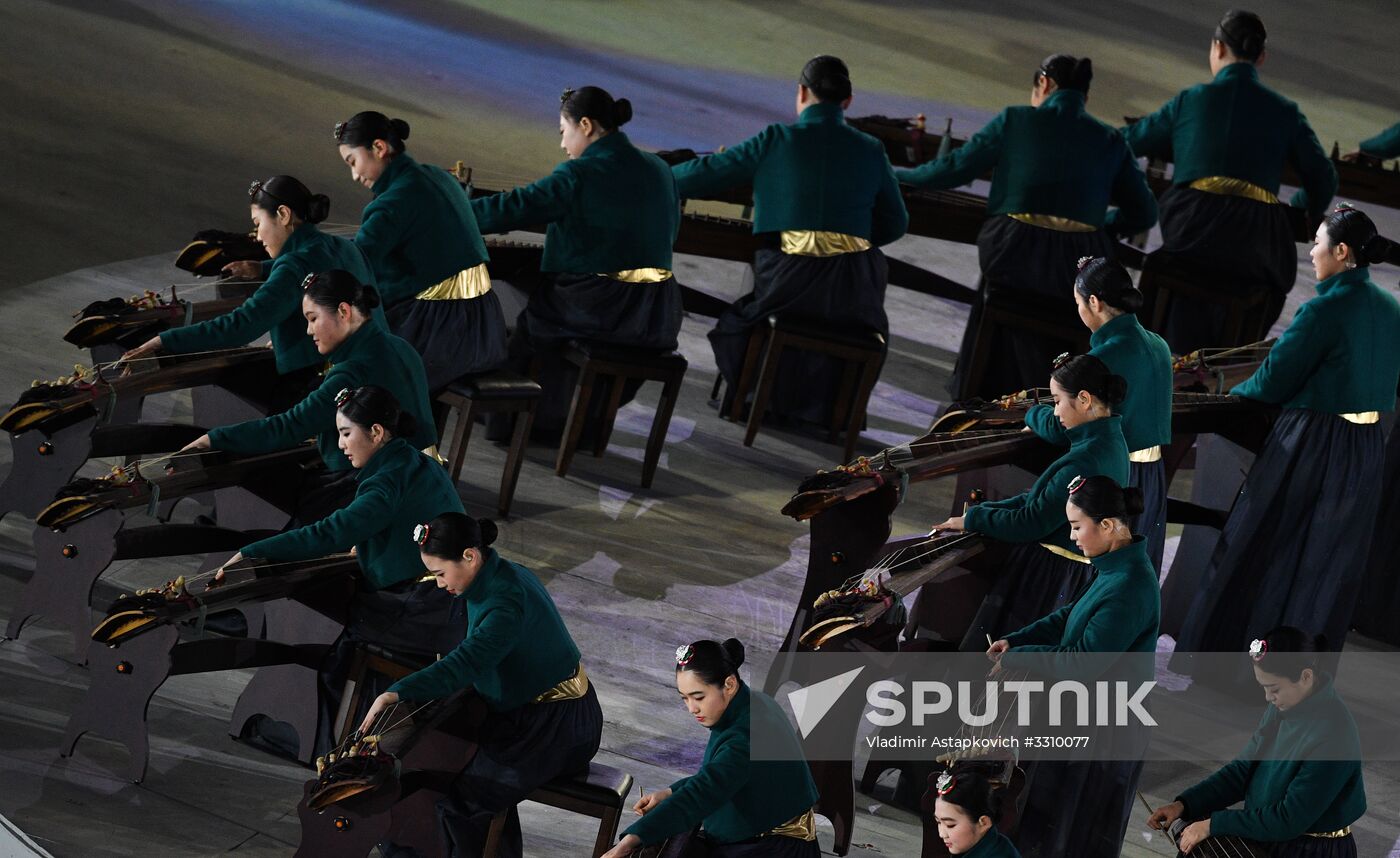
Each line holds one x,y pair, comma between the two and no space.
1104,427
1238,69
608,143
346,350
1351,277
1064,100
1315,704
822,113
1132,554
397,166
388,455
1113,327
737,708
302,236
490,561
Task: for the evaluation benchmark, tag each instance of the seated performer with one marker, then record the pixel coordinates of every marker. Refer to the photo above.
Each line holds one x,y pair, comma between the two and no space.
545,720
1108,303
397,487
748,807
1293,550
1229,141
1376,149
1055,169
1082,808
338,311
284,215
825,201
1044,571
966,810
612,216
421,239
1300,775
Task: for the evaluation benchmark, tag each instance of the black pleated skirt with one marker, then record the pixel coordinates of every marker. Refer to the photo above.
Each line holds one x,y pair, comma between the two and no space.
1076,808
1294,548
766,847
455,337
1316,847
1378,610
1234,240
846,290
1031,270
1033,582
587,307
1151,478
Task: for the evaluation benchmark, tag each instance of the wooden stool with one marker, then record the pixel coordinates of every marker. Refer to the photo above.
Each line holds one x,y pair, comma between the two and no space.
369,659
613,366
1017,310
491,393
600,793
861,352
1165,277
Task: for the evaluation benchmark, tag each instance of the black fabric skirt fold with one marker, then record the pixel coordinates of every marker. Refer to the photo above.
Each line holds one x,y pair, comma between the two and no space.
765,847
587,307
846,290
1294,548
1076,808
455,337
1032,269
1232,240
1033,582
1151,478
1378,609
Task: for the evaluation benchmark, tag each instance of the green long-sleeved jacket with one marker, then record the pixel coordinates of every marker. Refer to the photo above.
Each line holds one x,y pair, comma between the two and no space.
1055,160
418,230
1341,353
371,355
276,305
815,174
993,844
1300,773
1038,514
613,208
1145,361
1385,144
736,797
516,647
1236,127
399,487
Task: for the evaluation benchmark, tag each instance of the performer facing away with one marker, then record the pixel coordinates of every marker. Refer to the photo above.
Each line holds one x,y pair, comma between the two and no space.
1375,149
1082,808
397,487
545,720
285,214
1055,171
825,200
422,241
1293,550
749,808
966,809
1229,141
1108,303
1300,774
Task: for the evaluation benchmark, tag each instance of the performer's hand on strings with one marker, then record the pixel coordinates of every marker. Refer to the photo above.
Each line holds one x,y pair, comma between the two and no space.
1194,834
242,270
626,846
381,703
1162,818
198,445
218,579
996,649
954,523
146,349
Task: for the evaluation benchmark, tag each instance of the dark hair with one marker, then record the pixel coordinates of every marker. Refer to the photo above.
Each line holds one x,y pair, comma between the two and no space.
332,288
1288,651
1352,227
711,661
367,126
287,191
1101,497
1086,372
973,792
827,78
370,405
1067,72
1109,281
452,533
1243,33
595,103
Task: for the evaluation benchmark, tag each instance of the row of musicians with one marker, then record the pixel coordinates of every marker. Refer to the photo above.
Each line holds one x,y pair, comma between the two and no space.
517,653
825,200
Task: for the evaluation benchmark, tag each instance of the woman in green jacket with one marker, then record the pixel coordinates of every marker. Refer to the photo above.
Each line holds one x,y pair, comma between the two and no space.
1294,548
966,809
1055,170
422,241
748,807
518,656
1299,777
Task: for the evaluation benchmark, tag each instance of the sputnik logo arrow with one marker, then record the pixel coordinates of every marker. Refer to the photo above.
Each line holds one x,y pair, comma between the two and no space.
811,704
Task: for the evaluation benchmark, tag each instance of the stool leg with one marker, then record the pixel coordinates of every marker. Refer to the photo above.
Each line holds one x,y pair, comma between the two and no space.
840,406
670,391
520,436
860,404
714,391
741,390
460,438
765,387
350,695
607,831
573,429
493,835
615,385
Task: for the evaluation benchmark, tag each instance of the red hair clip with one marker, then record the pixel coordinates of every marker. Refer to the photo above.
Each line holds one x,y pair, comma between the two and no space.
1059,361
684,654
1076,484
420,533
1258,648
946,783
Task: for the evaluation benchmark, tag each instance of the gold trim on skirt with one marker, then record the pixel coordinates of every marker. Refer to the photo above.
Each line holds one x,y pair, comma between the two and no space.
1228,187
1065,553
803,827
1146,454
1331,835
640,275
808,242
1363,418
570,689
464,285
1055,222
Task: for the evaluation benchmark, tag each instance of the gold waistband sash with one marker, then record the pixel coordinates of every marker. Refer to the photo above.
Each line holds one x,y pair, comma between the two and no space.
1331,835
1064,552
807,242
570,689
803,827
1228,187
1363,418
1146,454
1055,222
639,275
465,284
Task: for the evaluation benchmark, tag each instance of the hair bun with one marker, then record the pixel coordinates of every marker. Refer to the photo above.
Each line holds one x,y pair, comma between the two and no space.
1377,249
622,111
400,128
734,651
318,208
489,531
367,298
1115,390
1083,73
1133,500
